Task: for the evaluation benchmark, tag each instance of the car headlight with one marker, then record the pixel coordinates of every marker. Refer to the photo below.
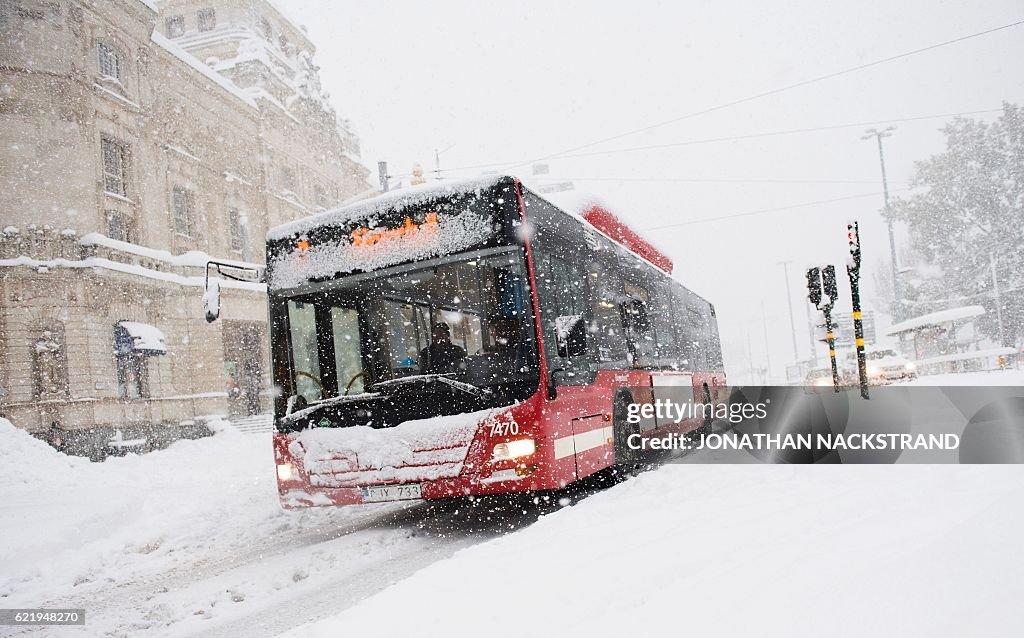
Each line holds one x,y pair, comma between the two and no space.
286,472
513,449
910,367
823,381
873,370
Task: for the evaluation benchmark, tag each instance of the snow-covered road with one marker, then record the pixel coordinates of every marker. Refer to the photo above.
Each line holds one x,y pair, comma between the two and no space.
736,550
192,540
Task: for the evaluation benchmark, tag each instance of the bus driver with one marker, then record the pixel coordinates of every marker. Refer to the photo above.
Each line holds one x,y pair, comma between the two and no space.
441,355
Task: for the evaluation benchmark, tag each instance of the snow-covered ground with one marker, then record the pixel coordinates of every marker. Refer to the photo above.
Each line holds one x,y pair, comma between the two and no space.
736,550
1012,376
192,541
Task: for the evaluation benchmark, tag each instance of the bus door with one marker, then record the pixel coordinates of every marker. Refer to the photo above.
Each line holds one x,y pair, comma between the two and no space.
575,404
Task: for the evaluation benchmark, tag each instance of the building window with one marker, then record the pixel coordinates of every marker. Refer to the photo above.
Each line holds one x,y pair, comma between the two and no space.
115,167
117,226
206,19
238,231
287,179
175,26
320,195
183,210
132,377
108,61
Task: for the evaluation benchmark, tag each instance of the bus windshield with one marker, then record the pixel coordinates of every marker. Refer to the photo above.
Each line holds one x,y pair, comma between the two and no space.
465,319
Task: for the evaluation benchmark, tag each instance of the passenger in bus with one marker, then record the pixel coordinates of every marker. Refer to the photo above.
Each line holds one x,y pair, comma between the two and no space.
441,356
409,365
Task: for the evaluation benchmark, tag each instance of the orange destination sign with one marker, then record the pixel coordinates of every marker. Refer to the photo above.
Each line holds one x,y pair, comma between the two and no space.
368,237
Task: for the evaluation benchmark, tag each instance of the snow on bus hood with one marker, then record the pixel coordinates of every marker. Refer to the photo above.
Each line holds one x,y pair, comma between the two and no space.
423,449
444,234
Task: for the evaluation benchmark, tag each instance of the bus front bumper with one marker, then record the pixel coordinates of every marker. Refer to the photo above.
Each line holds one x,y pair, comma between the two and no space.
525,478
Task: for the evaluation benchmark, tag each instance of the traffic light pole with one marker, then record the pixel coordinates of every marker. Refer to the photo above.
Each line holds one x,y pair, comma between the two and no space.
815,278
830,339
853,270
828,278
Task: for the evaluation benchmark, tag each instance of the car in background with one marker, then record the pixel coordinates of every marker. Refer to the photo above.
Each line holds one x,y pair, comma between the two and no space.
819,380
884,365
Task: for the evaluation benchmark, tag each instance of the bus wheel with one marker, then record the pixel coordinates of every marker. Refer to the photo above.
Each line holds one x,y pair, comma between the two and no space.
627,460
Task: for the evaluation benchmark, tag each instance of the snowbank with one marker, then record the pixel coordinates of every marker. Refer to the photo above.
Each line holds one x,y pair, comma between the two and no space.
149,542
1011,377
736,550
25,460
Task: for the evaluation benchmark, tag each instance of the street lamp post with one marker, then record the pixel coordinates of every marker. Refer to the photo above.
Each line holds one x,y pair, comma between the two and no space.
878,135
789,304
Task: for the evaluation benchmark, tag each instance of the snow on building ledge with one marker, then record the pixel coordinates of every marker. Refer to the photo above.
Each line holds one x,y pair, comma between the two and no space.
193,258
53,249
186,57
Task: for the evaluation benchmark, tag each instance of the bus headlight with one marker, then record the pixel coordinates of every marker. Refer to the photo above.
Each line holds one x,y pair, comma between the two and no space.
286,472
911,366
513,449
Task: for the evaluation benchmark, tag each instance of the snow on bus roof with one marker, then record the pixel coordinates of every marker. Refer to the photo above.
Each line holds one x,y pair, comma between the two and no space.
598,214
410,196
931,319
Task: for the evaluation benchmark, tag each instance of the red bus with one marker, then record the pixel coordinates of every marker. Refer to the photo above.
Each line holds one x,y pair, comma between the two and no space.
471,338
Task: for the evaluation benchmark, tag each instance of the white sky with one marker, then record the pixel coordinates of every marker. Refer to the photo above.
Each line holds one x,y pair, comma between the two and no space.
507,82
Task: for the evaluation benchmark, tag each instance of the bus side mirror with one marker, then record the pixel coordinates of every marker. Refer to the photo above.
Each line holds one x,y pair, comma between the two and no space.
211,300
235,272
571,335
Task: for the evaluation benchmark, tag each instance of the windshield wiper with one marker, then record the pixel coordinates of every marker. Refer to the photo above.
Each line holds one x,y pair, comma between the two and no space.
468,388
293,415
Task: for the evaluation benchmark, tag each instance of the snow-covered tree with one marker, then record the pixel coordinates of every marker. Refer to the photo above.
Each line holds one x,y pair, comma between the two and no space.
971,213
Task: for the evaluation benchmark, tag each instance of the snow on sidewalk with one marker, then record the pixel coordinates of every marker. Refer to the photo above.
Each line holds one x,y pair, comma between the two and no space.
168,542
1012,377
736,550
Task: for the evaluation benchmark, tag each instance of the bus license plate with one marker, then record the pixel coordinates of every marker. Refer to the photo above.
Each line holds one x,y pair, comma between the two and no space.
392,493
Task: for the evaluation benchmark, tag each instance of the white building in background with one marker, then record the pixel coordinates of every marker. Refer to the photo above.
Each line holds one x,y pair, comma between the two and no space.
137,139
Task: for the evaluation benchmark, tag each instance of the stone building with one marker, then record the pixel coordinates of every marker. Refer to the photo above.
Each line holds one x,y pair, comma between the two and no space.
137,140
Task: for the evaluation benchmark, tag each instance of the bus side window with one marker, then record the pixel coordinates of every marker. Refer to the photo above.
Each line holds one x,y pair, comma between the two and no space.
563,293
641,337
664,313
685,335
606,292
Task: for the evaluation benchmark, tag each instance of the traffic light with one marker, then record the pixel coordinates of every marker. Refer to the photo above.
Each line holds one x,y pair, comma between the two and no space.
814,286
828,279
853,238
